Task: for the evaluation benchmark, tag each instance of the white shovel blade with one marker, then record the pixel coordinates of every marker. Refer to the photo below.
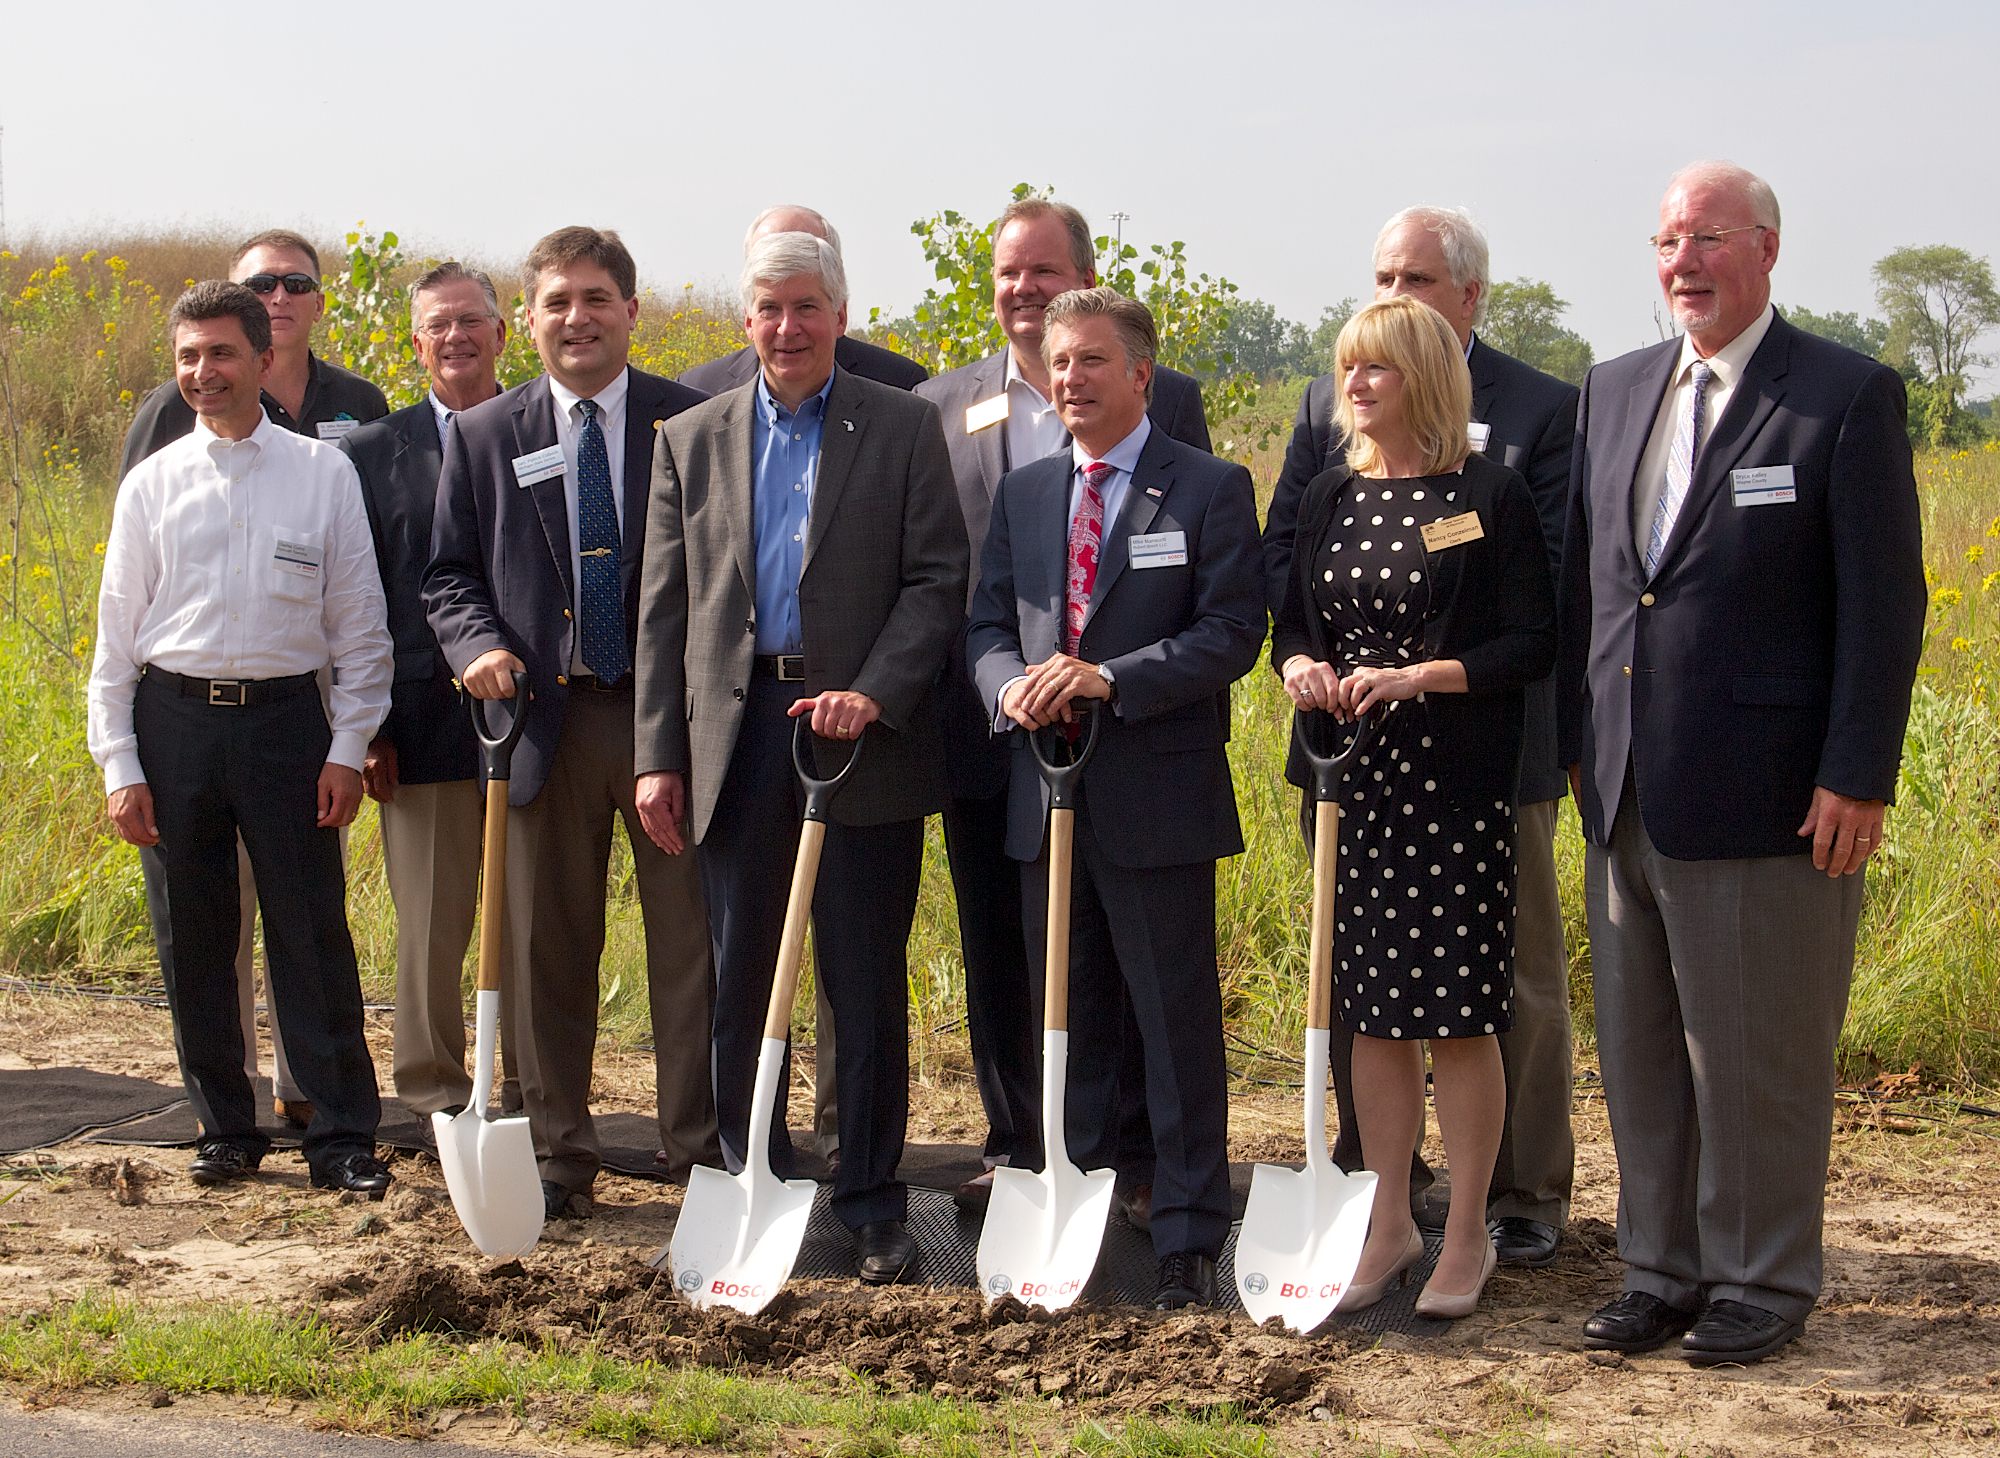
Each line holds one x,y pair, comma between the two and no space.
1301,1240
738,1236
1042,1233
495,1185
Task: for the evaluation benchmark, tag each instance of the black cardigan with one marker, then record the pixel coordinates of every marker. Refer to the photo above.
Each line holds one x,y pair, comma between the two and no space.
1492,608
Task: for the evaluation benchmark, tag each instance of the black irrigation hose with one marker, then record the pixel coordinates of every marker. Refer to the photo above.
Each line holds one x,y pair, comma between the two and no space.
144,999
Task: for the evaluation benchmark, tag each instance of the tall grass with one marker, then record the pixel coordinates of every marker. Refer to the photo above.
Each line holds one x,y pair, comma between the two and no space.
1927,978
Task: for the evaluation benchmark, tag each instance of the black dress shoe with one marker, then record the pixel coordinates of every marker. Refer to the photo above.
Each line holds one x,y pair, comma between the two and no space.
1730,1331
1187,1278
218,1162
1638,1321
1519,1241
555,1200
364,1174
884,1251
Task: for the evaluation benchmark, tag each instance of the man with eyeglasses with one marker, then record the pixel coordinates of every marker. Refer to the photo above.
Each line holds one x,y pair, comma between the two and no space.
1742,613
306,395
423,764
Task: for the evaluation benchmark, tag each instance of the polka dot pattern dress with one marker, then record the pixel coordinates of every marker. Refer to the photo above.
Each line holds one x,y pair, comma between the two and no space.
1424,923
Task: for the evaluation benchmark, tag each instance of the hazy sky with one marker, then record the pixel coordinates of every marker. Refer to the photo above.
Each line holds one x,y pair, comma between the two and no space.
1272,137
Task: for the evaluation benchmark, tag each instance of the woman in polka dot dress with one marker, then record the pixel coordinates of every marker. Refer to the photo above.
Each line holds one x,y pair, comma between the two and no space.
1420,596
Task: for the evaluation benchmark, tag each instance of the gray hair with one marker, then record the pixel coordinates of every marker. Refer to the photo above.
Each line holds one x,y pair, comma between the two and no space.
778,256
826,229
1756,191
1464,245
1134,321
452,271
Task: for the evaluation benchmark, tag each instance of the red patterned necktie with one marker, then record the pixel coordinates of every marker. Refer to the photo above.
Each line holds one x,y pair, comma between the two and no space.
1086,534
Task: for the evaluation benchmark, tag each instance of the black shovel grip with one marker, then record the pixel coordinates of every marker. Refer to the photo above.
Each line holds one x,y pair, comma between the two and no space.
1327,770
1063,778
497,752
820,793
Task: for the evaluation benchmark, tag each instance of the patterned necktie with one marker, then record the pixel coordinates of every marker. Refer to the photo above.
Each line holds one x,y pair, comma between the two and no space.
1680,470
1086,534
602,591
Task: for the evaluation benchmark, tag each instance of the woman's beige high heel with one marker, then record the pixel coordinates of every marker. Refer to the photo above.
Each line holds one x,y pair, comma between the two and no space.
1363,1294
1438,1304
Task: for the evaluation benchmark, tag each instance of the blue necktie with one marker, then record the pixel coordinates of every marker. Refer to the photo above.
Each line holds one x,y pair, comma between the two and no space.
602,591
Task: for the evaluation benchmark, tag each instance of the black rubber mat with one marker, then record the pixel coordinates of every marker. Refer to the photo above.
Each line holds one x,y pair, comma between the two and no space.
44,1106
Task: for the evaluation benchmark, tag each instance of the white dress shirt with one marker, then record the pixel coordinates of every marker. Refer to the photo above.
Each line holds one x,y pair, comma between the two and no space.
247,559
569,428
1033,428
1728,363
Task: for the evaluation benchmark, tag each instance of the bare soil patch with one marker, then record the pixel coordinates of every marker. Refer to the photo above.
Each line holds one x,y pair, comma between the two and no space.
1902,1355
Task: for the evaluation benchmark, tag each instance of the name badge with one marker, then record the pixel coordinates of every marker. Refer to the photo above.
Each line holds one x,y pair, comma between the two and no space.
1453,531
300,559
1158,549
538,466
1763,486
335,429
1477,433
985,413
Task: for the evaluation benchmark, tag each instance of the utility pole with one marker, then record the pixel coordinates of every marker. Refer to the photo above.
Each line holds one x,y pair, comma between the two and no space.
1119,220
3,189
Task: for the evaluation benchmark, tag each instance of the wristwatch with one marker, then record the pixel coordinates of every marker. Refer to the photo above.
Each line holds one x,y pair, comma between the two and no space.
1109,682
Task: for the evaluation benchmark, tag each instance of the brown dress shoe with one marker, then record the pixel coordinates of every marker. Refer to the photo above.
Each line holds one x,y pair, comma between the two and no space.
1137,1203
296,1112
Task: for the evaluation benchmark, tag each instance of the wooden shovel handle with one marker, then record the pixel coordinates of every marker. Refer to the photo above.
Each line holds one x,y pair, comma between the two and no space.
492,887
792,944
1055,984
1326,858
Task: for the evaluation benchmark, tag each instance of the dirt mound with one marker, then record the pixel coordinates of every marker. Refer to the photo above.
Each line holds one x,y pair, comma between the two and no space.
909,1338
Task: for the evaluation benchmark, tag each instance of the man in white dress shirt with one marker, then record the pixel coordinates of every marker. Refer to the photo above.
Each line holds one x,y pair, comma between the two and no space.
239,563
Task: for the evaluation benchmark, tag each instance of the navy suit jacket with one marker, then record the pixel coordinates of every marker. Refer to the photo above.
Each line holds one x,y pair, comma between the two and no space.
1774,647
1175,638
500,573
976,762
1531,423
856,356
399,459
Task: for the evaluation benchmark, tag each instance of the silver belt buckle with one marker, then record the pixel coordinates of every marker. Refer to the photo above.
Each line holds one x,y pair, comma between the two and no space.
791,667
216,687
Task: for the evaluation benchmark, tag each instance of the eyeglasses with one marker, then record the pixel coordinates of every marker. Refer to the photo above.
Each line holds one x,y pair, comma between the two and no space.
470,323
1669,244
295,283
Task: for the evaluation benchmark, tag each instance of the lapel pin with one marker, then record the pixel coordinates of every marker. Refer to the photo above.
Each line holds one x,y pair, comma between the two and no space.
848,423
1153,491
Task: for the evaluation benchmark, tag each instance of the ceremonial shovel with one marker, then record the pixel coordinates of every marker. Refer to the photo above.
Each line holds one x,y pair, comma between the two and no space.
1042,1231
739,1235
489,1165
1303,1229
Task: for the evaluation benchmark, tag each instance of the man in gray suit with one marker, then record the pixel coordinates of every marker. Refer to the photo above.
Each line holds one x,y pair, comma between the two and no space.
1125,570
997,416
1742,612
804,556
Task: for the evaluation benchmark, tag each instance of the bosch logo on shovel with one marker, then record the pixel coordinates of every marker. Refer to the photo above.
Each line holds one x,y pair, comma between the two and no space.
732,1290
1256,1284
690,1281
999,1285
1301,1290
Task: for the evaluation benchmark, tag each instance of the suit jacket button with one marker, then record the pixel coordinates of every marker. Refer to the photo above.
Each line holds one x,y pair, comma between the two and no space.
751,626
1628,670
737,692
564,680
565,612
1645,599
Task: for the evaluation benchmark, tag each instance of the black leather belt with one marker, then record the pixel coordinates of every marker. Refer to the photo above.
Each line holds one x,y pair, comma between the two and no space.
785,667
234,693
590,683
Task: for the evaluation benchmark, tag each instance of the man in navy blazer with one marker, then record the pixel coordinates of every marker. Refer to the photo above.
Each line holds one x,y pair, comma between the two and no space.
535,565
997,415
1170,615
1742,613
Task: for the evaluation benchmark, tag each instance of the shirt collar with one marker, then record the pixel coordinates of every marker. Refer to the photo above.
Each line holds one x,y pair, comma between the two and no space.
609,399
1014,377
444,412
1470,340
769,409
1729,361
1124,455
260,437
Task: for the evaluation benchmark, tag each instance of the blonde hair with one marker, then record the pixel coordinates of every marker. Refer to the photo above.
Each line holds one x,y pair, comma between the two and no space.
1413,339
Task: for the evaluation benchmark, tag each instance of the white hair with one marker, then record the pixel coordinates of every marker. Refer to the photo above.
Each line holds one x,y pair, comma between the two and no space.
778,256
1756,191
826,229
1464,245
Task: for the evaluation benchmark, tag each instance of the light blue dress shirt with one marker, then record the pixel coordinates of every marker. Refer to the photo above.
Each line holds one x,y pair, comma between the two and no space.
784,449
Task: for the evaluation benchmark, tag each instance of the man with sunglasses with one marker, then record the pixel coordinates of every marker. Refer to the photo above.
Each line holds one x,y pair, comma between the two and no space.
304,394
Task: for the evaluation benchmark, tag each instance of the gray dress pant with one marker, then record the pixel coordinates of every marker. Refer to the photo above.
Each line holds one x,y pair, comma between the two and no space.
1721,987
1536,1168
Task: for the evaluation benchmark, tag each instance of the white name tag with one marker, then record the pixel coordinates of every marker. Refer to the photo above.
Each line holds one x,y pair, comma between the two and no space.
1159,549
335,429
301,559
1763,486
1477,433
985,413
538,466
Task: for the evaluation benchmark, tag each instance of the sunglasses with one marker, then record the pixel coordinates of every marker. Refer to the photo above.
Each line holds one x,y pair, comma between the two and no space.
295,283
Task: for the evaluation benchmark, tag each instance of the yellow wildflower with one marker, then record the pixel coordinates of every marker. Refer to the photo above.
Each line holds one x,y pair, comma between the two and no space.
1986,582
1947,597
1974,552
1961,645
